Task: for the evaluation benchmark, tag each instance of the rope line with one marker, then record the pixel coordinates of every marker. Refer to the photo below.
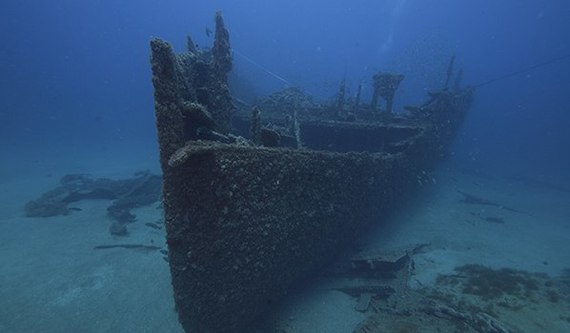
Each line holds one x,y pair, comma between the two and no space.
524,70
484,83
262,68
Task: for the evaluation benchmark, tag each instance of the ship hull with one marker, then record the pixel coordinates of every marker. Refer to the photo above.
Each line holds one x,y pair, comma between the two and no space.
247,224
247,220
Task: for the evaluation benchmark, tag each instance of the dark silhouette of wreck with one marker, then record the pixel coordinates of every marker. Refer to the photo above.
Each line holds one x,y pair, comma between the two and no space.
256,201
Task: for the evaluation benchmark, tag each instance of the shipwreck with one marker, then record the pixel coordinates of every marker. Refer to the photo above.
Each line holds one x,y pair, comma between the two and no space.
258,198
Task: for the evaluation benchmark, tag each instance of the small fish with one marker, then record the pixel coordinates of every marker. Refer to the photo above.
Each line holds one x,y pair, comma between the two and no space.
153,225
493,219
208,32
139,247
76,209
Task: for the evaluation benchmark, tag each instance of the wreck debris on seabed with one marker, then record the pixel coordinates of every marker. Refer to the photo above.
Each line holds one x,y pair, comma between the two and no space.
257,199
475,299
126,194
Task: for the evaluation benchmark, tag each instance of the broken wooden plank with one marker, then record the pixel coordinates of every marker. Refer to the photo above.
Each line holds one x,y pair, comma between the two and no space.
363,302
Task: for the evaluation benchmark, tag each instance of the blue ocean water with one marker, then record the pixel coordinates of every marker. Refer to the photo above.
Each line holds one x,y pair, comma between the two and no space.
75,73
76,93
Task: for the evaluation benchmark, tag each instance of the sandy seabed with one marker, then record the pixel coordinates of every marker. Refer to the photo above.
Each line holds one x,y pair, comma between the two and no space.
52,279
527,232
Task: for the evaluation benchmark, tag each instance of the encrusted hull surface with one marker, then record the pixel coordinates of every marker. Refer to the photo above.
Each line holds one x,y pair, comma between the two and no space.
245,224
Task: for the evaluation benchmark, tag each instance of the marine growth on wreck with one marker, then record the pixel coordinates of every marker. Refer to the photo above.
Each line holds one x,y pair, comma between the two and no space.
259,197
